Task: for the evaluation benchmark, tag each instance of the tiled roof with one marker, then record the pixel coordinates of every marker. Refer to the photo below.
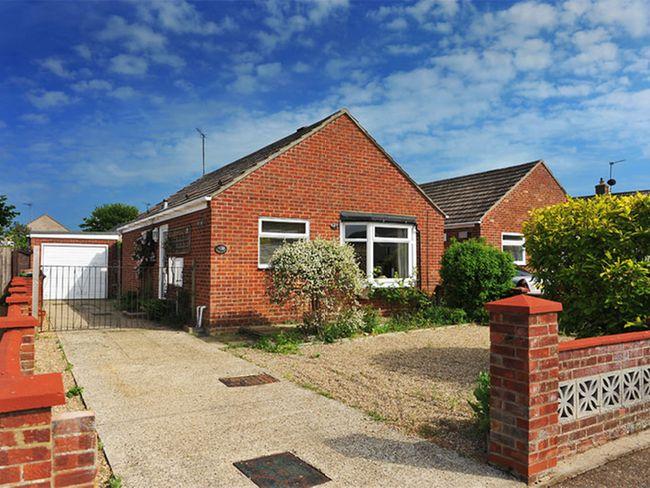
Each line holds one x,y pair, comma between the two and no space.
467,198
213,181
620,193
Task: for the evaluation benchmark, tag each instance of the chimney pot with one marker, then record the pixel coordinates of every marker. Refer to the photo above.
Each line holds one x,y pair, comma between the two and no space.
602,188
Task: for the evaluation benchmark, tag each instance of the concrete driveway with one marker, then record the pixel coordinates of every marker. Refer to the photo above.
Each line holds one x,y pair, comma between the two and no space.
167,421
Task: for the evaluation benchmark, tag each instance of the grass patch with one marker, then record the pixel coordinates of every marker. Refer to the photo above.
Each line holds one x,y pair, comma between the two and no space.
316,389
282,343
115,481
376,416
74,391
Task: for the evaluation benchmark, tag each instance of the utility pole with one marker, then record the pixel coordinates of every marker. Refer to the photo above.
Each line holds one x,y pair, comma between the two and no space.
203,136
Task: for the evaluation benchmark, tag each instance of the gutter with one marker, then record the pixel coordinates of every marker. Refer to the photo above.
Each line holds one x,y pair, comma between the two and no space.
167,214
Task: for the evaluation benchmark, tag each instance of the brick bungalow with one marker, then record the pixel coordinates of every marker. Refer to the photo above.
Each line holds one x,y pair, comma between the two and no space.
494,204
330,180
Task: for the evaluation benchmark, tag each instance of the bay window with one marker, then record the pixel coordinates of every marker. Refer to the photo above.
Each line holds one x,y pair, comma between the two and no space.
274,232
515,245
386,252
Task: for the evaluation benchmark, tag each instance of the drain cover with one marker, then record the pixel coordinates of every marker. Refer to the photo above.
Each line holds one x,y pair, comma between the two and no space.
284,469
251,380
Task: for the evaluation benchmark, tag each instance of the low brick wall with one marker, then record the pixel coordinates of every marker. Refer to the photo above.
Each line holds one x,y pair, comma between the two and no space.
38,449
604,390
550,401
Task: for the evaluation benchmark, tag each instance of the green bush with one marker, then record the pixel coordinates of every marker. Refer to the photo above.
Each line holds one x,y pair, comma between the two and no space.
593,255
129,301
440,315
402,296
321,275
371,319
347,324
473,273
481,403
157,309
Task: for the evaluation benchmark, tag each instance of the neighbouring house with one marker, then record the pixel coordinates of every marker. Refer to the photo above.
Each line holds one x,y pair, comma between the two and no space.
77,265
45,223
602,188
330,180
494,204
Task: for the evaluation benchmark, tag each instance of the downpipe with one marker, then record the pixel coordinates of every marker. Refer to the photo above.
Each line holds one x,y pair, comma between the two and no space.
199,319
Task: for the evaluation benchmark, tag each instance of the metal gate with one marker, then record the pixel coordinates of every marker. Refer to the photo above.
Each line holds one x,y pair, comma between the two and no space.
95,297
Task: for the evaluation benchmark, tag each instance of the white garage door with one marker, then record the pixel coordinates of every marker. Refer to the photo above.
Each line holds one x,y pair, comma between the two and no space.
74,271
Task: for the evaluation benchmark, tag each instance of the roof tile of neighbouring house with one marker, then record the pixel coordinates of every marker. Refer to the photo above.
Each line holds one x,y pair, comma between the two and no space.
467,198
620,193
211,182
46,223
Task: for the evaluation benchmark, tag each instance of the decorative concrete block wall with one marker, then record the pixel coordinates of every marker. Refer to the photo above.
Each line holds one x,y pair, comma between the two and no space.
550,401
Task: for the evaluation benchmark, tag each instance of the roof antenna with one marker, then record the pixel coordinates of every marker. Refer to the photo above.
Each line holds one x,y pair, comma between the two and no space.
612,181
203,136
29,205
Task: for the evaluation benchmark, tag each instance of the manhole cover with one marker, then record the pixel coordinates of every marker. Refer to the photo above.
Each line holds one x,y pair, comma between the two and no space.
250,380
284,469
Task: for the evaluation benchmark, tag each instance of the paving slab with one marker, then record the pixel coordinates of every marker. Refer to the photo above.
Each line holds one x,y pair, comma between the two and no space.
167,421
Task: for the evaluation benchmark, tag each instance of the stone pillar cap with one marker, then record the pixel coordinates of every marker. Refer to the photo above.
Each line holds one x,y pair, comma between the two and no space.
523,304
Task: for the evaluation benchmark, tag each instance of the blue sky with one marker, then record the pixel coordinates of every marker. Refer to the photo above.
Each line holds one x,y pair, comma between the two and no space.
99,100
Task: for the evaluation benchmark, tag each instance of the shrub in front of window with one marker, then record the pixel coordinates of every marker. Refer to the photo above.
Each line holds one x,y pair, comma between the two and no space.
320,275
593,255
473,273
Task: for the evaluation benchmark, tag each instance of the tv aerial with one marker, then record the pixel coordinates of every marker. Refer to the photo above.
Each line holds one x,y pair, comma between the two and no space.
612,181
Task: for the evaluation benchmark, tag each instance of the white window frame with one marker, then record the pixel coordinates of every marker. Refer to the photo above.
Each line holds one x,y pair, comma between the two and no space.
370,240
277,235
512,242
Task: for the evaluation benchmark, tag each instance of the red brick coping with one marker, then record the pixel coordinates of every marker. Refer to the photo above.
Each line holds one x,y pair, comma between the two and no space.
604,340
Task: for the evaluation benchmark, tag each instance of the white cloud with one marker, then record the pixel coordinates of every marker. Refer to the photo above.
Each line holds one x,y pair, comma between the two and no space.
631,15
123,93
301,67
533,54
48,99
135,37
83,51
181,17
56,66
404,49
168,59
398,23
127,64
91,85
269,70
35,118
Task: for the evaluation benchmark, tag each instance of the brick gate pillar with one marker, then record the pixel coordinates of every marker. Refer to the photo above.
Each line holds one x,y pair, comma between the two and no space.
524,370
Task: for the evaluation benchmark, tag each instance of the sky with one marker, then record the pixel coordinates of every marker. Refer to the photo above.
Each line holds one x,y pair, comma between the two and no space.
99,101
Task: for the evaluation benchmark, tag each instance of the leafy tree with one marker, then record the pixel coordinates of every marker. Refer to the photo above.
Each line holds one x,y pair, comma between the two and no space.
473,273
7,214
109,216
593,255
19,235
320,275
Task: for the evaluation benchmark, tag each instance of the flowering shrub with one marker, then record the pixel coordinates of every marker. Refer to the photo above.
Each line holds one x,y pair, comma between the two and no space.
593,255
320,275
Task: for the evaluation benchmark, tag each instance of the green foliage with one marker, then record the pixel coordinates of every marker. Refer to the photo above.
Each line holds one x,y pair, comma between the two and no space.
156,309
402,296
320,274
108,216
18,234
8,213
371,319
115,482
282,343
481,403
74,391
473,273
431,316
593,255
347,324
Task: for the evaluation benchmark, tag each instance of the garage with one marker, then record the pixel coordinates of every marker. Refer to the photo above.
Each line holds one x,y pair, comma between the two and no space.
75,266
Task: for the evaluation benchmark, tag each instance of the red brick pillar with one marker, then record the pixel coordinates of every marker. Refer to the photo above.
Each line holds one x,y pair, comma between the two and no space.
524,371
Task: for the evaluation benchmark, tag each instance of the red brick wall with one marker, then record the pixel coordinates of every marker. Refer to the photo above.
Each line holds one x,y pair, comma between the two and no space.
538,189
597,358
199,254
336,169
472,231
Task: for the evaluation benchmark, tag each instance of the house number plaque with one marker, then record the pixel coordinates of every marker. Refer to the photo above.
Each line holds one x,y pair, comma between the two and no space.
221,249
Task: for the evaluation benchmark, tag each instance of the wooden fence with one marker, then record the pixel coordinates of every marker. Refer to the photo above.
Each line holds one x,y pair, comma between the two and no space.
5,268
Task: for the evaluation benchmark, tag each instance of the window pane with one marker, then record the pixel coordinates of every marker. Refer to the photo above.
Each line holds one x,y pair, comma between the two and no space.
516,251
268,245
513,237
391,260
391,232
355,231
284,227
360,250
